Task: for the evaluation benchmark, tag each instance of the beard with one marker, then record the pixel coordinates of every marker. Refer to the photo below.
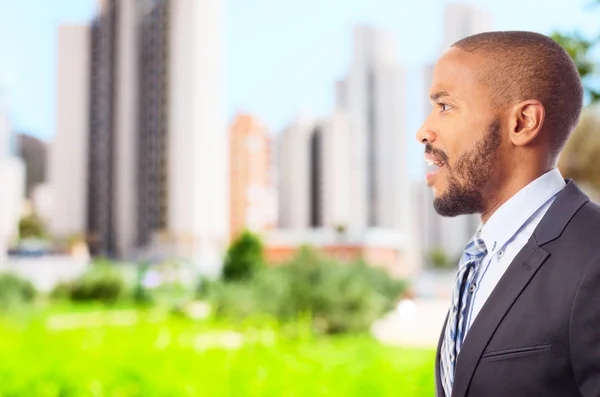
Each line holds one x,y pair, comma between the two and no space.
469,177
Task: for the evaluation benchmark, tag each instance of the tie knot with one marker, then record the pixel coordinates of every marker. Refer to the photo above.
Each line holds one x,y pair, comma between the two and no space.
476,247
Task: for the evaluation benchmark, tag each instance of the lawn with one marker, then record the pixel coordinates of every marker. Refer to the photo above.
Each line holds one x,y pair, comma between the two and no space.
127,353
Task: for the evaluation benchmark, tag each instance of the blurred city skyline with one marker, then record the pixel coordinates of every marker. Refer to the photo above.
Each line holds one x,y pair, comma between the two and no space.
143,98
270,50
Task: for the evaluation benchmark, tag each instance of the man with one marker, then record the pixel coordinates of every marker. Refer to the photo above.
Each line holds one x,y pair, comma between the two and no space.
525,313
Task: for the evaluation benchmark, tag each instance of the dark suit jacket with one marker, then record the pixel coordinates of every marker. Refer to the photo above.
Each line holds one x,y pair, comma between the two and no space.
538,334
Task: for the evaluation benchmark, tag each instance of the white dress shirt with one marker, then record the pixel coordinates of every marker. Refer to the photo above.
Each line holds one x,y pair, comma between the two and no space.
508,230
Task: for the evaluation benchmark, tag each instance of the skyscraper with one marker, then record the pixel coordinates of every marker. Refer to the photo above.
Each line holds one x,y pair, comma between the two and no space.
152,141
100,227
33,152
113,130
315,173
462,19
331,174
68,166
373,95
197,149
294,174
251,178
12,175
156,143
126,127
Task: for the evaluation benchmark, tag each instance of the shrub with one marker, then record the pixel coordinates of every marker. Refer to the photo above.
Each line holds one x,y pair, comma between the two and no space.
31,226
439,259
244,258
61,291
101,283
15,291
340,297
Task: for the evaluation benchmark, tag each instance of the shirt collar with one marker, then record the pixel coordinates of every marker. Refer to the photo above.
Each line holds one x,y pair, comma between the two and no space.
516,212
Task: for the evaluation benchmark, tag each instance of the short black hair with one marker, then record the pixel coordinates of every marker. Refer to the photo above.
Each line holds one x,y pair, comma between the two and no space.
527,65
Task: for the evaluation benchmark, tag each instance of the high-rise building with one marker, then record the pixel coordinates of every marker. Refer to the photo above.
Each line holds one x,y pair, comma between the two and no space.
331,175
251,178
113,131
42,202
33,152
153,124
107,57
462,19
198,166
12,175
294,174
68,152
100,228
315,173
126,129
373,95
156,145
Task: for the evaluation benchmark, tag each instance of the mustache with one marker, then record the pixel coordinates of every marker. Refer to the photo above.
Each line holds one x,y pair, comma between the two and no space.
436,152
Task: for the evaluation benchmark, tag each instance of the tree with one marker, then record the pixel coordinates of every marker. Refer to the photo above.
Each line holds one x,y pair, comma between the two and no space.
245,257
579,49
580,160
31,226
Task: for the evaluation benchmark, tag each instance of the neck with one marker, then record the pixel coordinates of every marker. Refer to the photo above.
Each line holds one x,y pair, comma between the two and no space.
512,186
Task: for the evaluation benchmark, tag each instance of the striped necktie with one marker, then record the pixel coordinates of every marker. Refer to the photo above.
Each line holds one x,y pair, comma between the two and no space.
456,325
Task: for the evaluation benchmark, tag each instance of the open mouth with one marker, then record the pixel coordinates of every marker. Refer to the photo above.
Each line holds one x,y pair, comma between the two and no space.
434,161
435,166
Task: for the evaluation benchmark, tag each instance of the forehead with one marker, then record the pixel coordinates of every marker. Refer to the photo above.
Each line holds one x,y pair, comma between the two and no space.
459,74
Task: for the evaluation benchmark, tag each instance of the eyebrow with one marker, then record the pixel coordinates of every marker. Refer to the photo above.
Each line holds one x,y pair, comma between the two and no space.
437,95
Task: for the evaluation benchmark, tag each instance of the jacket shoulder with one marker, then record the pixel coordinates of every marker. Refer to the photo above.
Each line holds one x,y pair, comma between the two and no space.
580,235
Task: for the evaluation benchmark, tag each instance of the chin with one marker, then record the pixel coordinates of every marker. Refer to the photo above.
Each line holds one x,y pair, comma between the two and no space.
437,190
452,203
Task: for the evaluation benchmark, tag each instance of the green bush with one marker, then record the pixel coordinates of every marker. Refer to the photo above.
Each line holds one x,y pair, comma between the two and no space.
15,291
61,291
102,283
439,259
339,297
245,257
32,226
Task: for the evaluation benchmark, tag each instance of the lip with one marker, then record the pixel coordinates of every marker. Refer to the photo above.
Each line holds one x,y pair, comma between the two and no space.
429,157
431,176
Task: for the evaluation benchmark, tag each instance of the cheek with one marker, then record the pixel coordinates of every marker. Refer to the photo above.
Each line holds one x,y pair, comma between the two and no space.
451,137
460,144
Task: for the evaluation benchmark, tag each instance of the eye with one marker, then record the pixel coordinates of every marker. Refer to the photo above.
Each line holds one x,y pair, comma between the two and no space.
445,106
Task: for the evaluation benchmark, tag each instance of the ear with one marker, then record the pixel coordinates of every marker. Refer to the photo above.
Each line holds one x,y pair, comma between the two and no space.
526,121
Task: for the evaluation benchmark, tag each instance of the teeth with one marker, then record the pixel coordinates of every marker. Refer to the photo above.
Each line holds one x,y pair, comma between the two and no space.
433,162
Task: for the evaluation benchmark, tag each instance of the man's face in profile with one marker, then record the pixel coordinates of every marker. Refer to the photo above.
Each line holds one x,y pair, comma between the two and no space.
462,136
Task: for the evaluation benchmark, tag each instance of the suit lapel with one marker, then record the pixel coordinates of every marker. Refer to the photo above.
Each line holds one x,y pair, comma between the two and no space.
512,283
510,286
439,388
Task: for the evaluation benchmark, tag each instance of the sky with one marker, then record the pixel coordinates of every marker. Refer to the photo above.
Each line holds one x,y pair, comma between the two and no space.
281,56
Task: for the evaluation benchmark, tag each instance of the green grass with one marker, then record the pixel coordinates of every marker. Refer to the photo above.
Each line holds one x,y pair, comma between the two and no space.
160,355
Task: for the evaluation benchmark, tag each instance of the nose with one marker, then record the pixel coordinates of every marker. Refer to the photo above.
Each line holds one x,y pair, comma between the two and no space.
425,134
